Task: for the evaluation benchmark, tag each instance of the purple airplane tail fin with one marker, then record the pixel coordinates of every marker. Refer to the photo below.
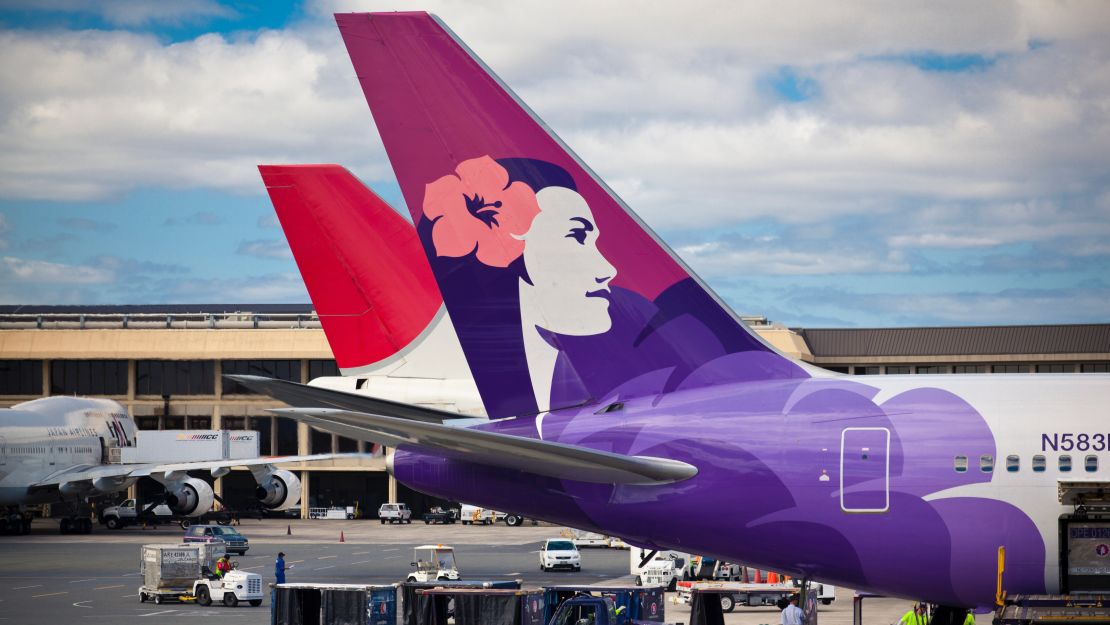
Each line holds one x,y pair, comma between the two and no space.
560,295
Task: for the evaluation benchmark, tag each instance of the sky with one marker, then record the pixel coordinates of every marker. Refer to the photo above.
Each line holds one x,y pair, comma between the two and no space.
847,164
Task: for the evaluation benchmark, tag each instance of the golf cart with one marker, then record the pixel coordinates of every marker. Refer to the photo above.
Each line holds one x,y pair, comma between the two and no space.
433,563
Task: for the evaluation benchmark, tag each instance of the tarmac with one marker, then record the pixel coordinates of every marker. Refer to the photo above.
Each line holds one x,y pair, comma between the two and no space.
49,578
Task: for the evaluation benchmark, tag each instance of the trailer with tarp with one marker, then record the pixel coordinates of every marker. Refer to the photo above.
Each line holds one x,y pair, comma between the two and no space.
334,604
479,606
408,611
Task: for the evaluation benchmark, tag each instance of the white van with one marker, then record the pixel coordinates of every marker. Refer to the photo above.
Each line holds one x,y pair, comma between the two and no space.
394,513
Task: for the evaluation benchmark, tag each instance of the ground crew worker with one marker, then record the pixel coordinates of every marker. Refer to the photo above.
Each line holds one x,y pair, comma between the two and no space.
793,615
970,618
279,568
223,565
915,616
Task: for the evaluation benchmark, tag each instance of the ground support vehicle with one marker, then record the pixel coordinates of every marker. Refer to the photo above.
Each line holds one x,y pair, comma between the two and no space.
734,594
433,563
169,570
303,604
583,538
469,515
567,604
664,573
407,596
333,513
129,512
441,515
394,513
234,587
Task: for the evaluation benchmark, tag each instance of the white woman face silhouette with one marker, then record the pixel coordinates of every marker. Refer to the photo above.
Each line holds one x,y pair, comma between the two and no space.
570,278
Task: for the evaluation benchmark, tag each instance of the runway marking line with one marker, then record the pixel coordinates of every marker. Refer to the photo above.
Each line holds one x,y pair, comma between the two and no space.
361,562
78,581
126,596
360,553
26,587
248,568
326,557
325,567
109,587
157,613
50,594
388,550
391,557
87,607
295,561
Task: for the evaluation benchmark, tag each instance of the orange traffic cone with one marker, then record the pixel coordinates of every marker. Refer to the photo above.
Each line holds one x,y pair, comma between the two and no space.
772,578
758,576
341,537
288,530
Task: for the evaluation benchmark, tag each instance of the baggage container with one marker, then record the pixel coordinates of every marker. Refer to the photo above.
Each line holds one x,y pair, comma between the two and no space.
166,567
164,446
243,445
339,604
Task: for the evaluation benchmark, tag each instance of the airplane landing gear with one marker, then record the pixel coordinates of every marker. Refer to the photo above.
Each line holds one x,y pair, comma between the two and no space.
13,521
76,525
77,521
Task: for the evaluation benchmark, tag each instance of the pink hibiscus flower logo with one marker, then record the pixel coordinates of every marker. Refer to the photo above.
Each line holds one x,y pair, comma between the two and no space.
477,209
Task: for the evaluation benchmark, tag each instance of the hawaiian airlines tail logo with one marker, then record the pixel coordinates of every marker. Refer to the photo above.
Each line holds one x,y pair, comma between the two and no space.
530,284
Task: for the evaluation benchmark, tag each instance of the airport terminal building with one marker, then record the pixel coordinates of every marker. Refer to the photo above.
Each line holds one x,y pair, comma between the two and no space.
165,364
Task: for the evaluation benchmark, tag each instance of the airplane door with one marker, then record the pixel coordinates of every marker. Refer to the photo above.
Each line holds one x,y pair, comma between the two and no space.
865,470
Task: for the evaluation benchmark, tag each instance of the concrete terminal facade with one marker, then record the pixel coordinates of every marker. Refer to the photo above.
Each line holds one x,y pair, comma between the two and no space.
165,364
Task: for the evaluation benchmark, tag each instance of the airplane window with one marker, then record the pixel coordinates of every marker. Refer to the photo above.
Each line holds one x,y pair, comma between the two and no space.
961,464
1090,463
1013,463
986,463
1065,463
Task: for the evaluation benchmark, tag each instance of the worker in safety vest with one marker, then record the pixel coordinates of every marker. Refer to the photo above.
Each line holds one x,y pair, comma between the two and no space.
223,565
916,616
970,618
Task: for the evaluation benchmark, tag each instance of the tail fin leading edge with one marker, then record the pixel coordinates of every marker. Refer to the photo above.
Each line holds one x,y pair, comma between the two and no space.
559,294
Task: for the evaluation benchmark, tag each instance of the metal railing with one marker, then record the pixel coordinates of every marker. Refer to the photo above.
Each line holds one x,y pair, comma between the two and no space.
192,321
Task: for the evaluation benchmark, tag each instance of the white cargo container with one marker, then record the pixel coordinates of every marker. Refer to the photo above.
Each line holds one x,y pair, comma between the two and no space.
243,445
190,446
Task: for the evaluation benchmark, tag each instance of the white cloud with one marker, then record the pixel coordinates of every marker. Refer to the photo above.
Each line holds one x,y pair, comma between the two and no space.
719,259
266,248
25,270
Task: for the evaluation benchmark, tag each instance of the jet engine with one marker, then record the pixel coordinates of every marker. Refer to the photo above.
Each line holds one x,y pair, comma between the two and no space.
191,497
279,490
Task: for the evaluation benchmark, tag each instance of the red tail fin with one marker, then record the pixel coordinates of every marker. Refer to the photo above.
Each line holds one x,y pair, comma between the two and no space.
362,262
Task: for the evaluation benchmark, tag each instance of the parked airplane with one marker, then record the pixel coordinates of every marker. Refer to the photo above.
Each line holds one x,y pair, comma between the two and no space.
56,450
625,398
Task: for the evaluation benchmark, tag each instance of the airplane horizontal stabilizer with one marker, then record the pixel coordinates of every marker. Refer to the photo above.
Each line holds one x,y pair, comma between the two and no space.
305,396
553,459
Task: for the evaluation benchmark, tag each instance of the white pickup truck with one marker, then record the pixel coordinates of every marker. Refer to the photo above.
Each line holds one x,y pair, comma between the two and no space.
126,513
